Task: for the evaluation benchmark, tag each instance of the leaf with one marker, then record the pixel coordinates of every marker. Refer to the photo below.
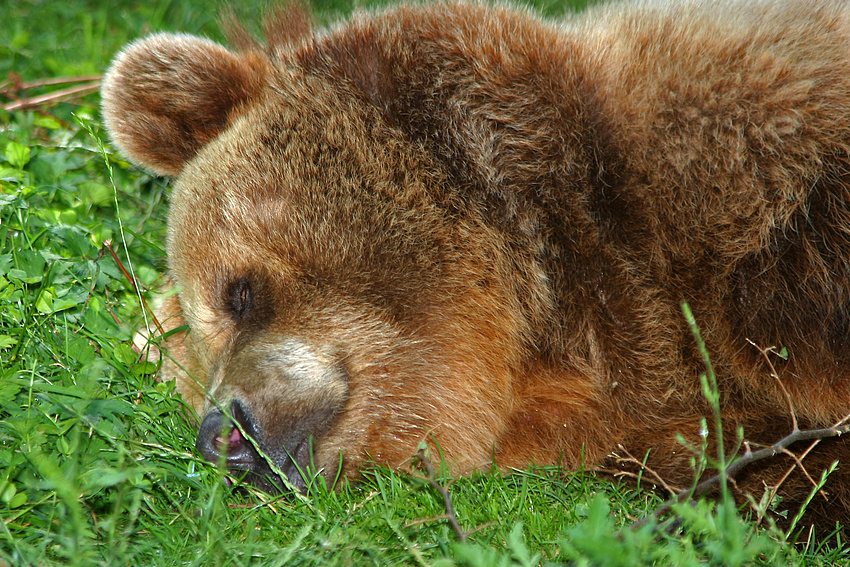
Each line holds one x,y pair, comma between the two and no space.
109,408
7,199
81,350
69,217
18,500
17,155
108,477
67,302
8,491
33,264
143,368
5,263
22,276
48,122
95,193
519,550
7,341
64,446
9,389
44,303
125,354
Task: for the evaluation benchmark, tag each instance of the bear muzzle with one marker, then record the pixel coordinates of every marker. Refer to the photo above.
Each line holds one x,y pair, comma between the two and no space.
222,439
277,398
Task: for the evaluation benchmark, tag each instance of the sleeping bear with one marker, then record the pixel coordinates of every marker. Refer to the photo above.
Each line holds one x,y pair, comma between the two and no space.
458,223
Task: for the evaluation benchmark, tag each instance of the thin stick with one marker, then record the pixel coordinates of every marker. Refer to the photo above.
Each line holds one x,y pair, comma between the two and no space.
765,352
444,492
21,86
646,468
50,98
840,428
132,280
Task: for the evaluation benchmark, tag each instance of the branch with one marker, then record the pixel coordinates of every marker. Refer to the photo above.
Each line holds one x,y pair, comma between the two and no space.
431,479
19,85
91,84
108,245
629,458
766,352
51,98
841,427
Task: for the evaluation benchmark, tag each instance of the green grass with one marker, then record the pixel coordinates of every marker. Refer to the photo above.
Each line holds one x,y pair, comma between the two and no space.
97,460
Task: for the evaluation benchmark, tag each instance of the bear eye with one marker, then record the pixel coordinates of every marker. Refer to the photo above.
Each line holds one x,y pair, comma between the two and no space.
240,298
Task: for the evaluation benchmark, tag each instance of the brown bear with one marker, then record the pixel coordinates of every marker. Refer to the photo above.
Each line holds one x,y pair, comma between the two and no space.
457,221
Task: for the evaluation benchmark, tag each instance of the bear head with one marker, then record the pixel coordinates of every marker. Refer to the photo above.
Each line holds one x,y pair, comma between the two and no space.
342,308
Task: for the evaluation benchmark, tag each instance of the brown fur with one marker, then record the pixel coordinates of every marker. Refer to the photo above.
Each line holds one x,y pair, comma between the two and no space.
463,221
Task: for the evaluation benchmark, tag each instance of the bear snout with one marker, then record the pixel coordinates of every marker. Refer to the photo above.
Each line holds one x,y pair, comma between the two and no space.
221,438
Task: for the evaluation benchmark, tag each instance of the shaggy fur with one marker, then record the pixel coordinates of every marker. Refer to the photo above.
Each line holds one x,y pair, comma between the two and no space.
460,221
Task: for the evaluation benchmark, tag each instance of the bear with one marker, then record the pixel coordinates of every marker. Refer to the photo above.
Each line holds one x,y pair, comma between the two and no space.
460,223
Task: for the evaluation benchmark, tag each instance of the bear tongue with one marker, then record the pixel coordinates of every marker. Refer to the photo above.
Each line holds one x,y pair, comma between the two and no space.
233,441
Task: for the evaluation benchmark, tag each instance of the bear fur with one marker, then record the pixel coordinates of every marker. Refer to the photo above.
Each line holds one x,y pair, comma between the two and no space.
457,221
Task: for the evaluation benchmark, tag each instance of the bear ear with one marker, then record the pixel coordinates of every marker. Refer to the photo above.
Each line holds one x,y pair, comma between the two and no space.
167,96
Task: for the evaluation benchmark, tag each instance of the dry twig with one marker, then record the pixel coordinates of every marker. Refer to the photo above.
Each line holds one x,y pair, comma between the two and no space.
108,245
431,479
14,87
749,456
841,427
659,480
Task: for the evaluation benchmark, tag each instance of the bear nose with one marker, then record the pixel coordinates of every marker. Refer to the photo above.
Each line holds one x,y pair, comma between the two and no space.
219,435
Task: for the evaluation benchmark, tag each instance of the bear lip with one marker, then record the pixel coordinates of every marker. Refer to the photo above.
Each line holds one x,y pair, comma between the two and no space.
260,474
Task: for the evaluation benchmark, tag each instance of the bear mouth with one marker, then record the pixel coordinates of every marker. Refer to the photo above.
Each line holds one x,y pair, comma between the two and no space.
222,439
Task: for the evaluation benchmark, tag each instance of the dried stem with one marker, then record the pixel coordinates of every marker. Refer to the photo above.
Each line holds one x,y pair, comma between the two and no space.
10,89
21,86
132,281
766,352
727,473
646,468
841,427
431,479
52,98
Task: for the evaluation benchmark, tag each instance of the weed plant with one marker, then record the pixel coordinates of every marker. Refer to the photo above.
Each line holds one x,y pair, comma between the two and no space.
97,459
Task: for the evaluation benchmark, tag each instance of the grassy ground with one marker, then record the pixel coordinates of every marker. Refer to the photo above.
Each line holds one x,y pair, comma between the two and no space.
97,465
